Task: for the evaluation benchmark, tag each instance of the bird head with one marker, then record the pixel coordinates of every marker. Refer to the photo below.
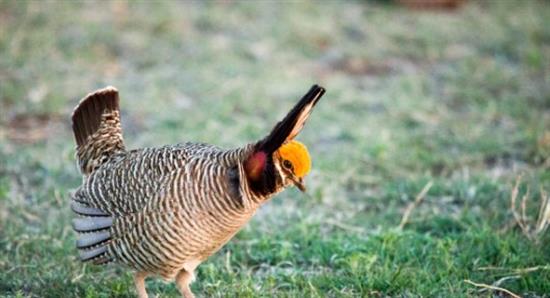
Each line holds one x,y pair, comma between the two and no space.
293,163
278,160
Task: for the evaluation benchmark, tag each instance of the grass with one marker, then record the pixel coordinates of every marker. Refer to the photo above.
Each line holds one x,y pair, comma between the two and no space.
460,98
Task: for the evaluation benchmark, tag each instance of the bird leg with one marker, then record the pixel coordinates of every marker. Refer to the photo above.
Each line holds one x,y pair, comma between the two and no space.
139,280
183,280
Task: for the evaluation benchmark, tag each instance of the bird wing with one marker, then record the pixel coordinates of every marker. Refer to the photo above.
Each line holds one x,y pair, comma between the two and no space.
129,188
137,196
128,181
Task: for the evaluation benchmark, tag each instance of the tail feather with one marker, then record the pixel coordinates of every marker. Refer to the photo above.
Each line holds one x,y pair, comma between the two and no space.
87,115
96,127
293,123
92,224
84,210
93,253
88,240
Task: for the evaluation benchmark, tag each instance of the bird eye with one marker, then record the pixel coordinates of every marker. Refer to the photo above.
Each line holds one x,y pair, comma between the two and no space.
287,164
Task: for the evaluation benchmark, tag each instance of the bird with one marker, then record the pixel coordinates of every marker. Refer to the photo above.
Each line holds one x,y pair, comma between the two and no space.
163,211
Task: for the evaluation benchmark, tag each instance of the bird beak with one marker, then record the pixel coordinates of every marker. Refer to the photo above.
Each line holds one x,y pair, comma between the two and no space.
299,182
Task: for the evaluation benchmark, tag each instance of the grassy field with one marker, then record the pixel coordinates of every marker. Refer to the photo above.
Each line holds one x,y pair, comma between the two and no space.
459,100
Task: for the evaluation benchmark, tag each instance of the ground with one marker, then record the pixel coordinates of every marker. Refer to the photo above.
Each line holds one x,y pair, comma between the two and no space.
457,99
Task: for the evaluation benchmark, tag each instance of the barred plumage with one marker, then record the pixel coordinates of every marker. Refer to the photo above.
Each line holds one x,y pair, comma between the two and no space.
162,211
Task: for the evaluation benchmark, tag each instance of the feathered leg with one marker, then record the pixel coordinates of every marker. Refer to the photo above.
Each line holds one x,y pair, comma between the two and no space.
183,280
139,280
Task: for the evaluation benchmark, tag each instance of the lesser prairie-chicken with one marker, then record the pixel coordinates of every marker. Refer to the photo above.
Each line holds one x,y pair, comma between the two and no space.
163,211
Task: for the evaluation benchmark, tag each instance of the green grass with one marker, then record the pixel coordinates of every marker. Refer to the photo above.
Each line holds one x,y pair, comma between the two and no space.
459,98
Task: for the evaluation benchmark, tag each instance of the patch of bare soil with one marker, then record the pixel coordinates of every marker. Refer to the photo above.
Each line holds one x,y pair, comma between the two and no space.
31,128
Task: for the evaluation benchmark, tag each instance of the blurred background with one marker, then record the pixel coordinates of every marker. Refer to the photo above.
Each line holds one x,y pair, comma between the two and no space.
449,97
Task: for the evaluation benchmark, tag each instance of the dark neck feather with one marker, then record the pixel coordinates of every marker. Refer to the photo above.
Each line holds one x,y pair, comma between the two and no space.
268,182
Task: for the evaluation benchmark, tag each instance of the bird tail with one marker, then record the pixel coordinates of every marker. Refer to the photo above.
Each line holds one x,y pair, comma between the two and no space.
96,128
292,124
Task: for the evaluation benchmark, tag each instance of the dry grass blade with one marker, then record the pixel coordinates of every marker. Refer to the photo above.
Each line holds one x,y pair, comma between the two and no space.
543,219
520,219
503,279
345,227
515,270
523,210
491,287
413,205
544,212
500,281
